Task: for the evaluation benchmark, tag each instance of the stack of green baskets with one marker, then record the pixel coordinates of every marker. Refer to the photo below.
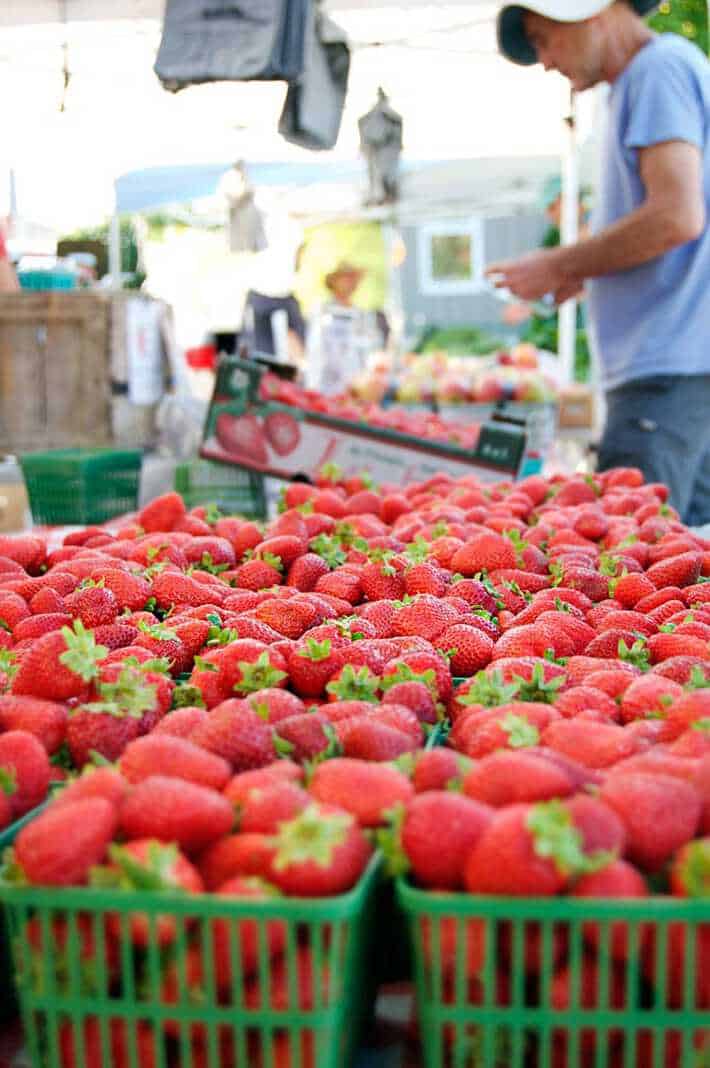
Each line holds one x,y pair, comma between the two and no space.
234,490
493,991
94,994
82,486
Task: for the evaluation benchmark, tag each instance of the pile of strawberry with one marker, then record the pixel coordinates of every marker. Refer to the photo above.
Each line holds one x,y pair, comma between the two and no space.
191,651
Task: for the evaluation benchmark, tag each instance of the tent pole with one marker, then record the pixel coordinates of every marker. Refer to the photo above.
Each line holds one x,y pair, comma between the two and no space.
114,249
569,234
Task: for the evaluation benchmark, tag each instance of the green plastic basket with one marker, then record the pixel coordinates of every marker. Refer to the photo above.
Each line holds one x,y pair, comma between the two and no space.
303,1008
234,490
509,983
81,485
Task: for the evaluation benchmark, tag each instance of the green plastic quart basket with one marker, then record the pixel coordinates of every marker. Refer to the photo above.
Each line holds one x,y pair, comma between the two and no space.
559,983
92,997
235,490
81,485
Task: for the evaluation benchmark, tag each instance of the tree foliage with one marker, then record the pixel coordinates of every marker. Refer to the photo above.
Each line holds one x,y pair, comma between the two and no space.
689,18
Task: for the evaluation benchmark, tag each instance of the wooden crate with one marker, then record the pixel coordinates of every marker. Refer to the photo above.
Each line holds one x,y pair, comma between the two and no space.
54,370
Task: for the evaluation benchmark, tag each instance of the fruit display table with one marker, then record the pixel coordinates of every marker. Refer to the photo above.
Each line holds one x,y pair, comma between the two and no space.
262,423
449,737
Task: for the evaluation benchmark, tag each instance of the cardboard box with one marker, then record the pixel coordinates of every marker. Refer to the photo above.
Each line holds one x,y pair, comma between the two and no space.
577,408
14,507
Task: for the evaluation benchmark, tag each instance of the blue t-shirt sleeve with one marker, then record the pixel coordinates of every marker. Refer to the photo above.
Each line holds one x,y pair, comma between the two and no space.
665,104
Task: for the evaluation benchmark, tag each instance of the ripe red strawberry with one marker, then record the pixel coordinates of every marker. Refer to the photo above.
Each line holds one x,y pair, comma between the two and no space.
36,626
426,577
162,514
268,806
106,783
630,589
527,850
664,646
507,778
155,753
439,832
235,855
25,549
366,739
13,609
343,584
305,571
514,725
649,697
321,852
46,720
472,649
312,664
596,745
614,680
62,844
131,591
273,704
683,669
25,772
426,616
416,696
95,606
173,810
106,733
484,552
681,570
116,635
579,699
290,619
243,783
304,736
237,733
660,814
522,642
383,580
59,665
684,711
690,872
47,601
428,667
259,574
367,791
146,864
618,880
627,620
438,769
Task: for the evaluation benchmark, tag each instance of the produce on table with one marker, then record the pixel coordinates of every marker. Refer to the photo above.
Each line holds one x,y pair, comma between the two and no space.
263,695
361,408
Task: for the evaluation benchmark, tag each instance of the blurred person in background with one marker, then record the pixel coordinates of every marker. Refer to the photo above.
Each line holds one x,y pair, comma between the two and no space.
646,269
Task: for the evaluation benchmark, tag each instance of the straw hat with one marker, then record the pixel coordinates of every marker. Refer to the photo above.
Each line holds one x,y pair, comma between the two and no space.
344,268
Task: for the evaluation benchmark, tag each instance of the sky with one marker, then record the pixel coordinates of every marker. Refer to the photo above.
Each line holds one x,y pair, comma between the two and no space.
439,65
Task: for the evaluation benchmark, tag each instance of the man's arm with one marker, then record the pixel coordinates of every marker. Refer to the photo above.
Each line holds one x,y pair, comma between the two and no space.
672,214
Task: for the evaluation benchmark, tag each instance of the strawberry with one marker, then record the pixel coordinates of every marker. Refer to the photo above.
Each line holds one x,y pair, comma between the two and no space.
173,810
290,619
426,577
106,783
660,814
506,778
522,642
416,696
383,580
305,736
618,880
147,864
320,852
59,665
130,590
235,855
684,711
47,601
26,550
366,739
151,754
680,571
63,843
352,683
46,720
25,772
342,584
365,790
649,696
93,731
267,807
116,635
259,574
273,705
304,572
13,609
579,699
471,649
425,616
162,514
36,626
238,734
438,769
596,745
484,552
627,620
93,605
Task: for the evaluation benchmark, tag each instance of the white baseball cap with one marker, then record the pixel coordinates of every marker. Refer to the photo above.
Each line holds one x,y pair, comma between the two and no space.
512,39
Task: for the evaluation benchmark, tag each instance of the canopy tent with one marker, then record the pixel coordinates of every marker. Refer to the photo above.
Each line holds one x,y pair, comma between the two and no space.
437,62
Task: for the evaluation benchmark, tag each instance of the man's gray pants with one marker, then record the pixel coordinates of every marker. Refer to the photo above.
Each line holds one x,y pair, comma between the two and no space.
662,425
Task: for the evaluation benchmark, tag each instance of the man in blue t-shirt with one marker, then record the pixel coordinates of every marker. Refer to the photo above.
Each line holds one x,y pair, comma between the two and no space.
646,269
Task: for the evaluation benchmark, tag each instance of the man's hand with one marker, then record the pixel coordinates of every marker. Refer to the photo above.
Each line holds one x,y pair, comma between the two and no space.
534,276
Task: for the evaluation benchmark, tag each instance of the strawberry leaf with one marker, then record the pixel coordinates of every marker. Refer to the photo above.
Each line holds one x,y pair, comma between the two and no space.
8,781
556,838
186,696
259,675
82,654
695,869
389,841
521,733
313,835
